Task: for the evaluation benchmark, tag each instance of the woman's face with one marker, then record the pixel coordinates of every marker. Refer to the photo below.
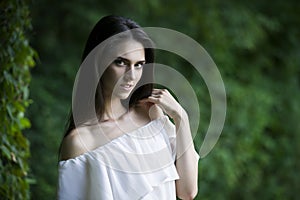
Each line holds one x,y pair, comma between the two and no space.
125,71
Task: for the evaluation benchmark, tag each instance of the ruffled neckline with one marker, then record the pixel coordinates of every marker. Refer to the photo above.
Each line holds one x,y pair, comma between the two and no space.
138,132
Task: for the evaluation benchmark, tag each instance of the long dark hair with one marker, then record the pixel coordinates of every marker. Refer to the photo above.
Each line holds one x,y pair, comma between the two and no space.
105,28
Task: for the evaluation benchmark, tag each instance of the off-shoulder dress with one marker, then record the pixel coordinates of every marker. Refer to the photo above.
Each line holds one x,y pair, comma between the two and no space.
135,165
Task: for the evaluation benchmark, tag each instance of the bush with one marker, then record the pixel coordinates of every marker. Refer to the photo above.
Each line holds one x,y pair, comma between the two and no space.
16,58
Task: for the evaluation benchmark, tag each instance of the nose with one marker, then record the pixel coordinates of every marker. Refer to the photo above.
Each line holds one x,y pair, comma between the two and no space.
130,74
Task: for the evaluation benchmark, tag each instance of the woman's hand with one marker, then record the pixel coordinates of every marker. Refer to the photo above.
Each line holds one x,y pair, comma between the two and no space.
186,156
166,102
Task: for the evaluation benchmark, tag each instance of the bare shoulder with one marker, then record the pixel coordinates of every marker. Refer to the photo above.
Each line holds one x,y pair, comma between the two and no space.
151,111
73,144
155,112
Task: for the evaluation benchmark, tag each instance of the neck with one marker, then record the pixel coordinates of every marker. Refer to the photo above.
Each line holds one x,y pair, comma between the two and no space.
113,109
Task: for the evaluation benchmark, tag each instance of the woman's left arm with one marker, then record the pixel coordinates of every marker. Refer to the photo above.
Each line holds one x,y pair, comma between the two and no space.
186,156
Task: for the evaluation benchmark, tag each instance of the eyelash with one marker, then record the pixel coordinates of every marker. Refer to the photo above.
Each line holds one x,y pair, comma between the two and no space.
139,65
121,63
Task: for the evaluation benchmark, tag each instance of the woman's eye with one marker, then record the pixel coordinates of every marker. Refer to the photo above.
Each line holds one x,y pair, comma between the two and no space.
119,62
123,63
139,65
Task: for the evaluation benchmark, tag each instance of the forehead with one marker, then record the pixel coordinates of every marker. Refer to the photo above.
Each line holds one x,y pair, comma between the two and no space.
129,49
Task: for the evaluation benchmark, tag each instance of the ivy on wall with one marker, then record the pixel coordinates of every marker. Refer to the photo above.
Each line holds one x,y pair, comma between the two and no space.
16,59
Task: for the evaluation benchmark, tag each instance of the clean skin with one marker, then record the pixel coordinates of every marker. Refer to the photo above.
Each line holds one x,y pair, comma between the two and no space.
119,80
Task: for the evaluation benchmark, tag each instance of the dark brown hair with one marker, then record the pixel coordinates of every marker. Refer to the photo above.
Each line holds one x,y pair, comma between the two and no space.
105,28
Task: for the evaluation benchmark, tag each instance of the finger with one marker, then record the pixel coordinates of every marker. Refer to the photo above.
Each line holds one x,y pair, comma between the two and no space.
156,100
156,91
144,103
150,99
156,95
160,91
146,100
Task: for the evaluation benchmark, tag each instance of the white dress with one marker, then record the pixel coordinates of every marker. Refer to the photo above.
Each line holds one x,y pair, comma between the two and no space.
136,165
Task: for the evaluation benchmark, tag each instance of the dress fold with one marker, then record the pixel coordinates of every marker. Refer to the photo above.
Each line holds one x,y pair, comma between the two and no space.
136,165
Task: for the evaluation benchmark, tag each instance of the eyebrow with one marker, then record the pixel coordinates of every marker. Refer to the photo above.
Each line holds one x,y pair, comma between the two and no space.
128,61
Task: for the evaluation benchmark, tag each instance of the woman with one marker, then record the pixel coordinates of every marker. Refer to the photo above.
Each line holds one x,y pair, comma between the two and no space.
130,150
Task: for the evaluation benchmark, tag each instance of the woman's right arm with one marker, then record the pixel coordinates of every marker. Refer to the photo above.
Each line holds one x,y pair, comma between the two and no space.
72,145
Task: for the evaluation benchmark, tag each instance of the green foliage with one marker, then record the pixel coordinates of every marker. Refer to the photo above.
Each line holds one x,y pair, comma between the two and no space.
256,47
258,147
16,58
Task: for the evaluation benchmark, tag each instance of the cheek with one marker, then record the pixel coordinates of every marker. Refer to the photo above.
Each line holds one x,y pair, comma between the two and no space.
113,75
109,79
139,75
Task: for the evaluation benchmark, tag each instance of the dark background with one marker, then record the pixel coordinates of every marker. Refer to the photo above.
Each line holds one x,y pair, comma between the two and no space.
256,48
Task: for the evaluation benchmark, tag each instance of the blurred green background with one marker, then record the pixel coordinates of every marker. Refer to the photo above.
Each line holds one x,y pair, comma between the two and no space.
256,46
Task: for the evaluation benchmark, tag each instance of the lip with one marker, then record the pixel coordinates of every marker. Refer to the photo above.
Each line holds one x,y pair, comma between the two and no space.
127,86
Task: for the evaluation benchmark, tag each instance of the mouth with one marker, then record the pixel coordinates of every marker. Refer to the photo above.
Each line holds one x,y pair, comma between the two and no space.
127,86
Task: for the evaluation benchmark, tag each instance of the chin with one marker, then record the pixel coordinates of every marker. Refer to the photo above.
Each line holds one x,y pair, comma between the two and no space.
123,96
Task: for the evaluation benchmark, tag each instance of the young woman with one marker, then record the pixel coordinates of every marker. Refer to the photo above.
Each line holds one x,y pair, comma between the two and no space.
131,150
